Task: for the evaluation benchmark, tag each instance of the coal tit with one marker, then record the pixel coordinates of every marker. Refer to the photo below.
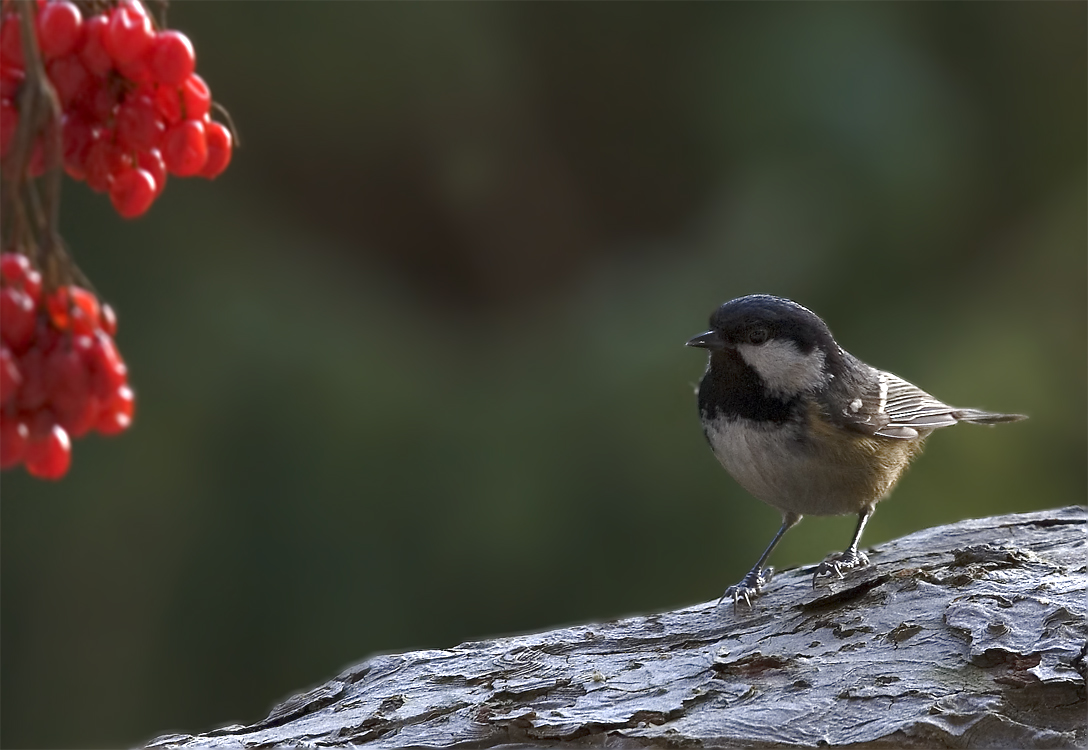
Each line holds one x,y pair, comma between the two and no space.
804,425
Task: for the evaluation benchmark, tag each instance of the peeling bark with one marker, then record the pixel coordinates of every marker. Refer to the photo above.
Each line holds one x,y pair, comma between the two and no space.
968,635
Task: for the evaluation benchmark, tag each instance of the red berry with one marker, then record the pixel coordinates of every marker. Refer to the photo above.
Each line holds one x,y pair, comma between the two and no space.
17,319
58,307
11,81
39,423
98,166
185,148
136,70
77,138
13,439
16,271
219,150
109,320
84,311
196,97
68,383
60,25
104,160
10,377
66,376
32,285
116,414
102,103
168,104
14,268
132,192
79,418
129,34
151,162
107,370
33,395
138,125
73,307
11,41
69,78
65,371
172,58
93,51
49,457
9,120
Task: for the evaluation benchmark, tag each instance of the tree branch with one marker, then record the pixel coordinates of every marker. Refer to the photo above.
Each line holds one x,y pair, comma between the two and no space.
966,635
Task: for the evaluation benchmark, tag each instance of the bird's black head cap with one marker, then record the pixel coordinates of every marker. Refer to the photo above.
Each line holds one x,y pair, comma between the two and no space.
760,317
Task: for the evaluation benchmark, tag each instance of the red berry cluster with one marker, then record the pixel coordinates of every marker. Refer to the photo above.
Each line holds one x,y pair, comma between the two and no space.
133,109
61,375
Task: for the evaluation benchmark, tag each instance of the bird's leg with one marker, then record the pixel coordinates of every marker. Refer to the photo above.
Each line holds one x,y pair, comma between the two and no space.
751,585
852,557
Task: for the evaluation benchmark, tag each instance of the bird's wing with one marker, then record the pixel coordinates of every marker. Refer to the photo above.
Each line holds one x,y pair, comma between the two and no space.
893,408
910,409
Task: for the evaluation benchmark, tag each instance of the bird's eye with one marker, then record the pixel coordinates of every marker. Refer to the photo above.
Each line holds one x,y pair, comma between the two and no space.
757,336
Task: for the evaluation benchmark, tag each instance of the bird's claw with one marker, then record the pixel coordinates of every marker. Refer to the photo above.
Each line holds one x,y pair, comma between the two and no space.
750,587
839,562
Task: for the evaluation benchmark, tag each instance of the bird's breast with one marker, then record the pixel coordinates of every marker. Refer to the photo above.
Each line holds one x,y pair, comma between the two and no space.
805,465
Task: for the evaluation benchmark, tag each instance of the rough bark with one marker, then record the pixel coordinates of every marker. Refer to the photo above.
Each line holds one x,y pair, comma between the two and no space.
968,635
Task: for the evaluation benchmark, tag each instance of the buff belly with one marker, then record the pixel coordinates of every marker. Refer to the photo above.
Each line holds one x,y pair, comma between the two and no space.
829,473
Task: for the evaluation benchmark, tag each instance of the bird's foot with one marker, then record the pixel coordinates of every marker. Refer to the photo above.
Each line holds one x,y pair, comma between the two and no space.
749,588
837,563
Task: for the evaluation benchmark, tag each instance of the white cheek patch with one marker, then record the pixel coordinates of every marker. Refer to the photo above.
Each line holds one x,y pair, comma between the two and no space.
782,366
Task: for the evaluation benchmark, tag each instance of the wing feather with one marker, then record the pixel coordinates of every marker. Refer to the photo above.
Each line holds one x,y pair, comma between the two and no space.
909,409
881,404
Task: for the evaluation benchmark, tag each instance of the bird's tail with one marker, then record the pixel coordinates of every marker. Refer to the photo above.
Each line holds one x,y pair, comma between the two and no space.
977,416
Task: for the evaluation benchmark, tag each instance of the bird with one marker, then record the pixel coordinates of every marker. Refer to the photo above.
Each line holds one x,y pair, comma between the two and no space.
805,426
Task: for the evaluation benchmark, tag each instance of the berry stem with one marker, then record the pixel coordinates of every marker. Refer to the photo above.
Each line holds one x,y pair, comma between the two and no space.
230,123
31,207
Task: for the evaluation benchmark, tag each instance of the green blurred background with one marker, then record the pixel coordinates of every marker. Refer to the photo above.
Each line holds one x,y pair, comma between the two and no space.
412,371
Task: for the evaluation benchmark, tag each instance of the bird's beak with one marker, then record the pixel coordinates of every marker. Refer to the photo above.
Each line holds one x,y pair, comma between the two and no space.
708,340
